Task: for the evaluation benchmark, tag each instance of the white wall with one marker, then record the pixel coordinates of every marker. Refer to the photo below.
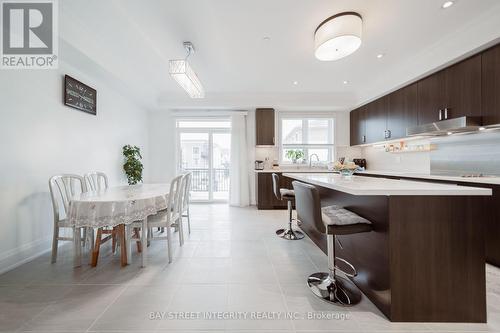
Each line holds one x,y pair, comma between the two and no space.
161,136
40,137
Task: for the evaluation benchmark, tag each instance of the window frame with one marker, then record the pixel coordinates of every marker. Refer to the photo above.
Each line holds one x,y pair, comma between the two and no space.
210,131
305,117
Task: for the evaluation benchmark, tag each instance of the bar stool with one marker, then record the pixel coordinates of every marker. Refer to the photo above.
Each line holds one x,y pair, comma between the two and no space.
333,221
288,195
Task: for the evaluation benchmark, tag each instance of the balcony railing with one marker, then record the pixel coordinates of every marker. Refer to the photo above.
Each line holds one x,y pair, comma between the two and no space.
200,180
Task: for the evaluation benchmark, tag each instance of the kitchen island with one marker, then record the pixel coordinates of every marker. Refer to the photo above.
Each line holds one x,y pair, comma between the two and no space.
424,261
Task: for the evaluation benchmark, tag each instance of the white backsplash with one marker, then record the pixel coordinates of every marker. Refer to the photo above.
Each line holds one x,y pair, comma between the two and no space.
349,153
380,160
261,153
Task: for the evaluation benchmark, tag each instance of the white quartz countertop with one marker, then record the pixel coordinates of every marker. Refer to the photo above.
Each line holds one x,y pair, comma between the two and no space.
359,185
292,170
477,180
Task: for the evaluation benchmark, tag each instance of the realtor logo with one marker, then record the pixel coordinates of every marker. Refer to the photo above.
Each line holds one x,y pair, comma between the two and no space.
29,39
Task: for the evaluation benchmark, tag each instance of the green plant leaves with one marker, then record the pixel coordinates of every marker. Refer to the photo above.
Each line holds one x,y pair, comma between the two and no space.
132,166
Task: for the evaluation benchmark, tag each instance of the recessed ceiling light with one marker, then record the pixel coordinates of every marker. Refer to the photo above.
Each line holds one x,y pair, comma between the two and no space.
295,83
380,55
447,4
345,82
338,36
266,38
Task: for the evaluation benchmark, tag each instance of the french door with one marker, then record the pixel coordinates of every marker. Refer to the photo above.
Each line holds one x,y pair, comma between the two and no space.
204,148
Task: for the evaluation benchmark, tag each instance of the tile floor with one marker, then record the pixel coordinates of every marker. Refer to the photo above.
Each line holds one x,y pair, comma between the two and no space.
231,263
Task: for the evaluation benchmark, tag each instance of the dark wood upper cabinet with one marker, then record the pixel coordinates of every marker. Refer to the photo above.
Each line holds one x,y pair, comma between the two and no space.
463,89
491,86
468,88
431,98
264,124
402,111
451,93
357,126
376,120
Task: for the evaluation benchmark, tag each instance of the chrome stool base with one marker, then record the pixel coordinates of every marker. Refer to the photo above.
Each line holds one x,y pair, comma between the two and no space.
290,234
341,291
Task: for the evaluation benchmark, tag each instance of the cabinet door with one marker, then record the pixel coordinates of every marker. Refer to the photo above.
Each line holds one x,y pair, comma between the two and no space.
463,88
491,86
264,124
402,111
376,120
265,193
354,127
357,126
431,97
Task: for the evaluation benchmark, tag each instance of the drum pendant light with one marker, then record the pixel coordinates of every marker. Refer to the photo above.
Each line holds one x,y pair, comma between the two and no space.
338,36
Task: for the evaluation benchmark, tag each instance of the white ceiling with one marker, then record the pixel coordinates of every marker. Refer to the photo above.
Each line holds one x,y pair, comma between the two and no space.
133,41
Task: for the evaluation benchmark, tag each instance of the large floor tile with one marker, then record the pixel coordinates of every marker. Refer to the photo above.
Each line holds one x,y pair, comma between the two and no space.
193,305
206,271
76,310
231,263
263,305
19,305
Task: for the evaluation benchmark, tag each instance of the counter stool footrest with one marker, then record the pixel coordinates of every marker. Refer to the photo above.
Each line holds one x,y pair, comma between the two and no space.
349,274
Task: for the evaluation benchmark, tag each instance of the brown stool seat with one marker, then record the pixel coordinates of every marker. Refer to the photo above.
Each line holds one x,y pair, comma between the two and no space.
287,194
340,221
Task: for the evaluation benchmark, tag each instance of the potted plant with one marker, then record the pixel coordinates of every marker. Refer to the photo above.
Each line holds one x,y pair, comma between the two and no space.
295,155
133,165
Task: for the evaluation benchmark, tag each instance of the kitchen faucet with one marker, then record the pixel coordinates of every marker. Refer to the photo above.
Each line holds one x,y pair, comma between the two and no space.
310,159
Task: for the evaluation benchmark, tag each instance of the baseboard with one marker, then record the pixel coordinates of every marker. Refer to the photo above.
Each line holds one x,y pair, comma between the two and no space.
23,254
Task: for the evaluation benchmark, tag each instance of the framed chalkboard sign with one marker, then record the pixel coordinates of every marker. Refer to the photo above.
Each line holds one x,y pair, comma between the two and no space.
79,95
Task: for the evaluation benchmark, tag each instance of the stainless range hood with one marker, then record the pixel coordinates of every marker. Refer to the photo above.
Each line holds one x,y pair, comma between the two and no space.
444,127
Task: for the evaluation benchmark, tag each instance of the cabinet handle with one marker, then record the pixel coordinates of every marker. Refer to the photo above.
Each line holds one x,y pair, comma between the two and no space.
440,114
388,134
273,141
363,138
445,113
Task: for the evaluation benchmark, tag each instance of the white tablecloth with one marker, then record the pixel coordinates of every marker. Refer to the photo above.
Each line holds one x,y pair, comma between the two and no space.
117,205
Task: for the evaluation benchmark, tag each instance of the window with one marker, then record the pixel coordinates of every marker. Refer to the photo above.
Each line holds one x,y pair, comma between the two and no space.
309,135
204,149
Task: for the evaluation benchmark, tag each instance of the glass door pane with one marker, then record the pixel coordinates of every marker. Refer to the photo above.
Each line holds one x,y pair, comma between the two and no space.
221,159
195,157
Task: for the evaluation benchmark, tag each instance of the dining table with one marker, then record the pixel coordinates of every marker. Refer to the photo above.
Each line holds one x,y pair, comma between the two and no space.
118,206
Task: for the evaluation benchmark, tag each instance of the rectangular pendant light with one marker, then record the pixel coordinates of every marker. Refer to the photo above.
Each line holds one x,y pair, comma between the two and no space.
186,78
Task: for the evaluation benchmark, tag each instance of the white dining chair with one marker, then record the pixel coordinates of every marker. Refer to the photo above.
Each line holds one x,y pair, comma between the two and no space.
177,223
62,188
186,196
96,181
163,219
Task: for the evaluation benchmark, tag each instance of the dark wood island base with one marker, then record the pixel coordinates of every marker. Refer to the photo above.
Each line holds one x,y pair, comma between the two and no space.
425,259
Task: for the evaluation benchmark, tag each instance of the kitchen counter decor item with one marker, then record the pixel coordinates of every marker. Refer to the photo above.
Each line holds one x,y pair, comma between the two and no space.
346,169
